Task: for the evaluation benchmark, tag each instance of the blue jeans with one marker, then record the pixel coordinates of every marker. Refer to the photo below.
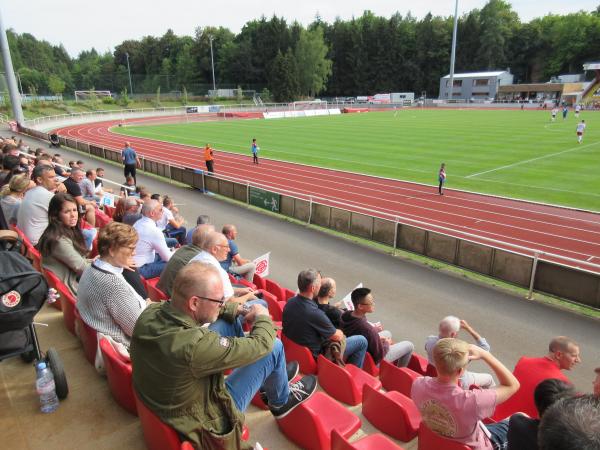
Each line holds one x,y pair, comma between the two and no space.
269,371
499,433
177,233
171,242
356,347
153,269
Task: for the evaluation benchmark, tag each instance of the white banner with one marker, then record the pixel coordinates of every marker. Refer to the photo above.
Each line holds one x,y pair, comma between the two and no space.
347,300
262,265
108,200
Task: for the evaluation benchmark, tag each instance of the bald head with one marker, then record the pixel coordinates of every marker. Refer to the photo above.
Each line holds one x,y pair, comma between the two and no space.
564,351
213,239
327,289
200,234
198,292
149,207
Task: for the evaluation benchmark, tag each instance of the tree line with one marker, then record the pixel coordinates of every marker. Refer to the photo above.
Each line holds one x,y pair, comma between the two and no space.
361,56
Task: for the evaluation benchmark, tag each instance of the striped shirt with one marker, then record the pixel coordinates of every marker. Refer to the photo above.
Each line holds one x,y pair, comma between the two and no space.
107,303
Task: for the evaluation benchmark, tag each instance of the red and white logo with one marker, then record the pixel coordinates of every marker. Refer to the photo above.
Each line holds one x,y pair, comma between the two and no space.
262,265
11,299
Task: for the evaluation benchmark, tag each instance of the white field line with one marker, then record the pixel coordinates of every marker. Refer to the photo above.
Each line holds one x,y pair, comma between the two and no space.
551,155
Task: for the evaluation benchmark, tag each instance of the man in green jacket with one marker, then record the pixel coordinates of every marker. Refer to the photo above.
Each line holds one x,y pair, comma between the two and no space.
178,364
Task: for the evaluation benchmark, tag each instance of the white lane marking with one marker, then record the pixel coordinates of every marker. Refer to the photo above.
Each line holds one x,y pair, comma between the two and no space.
579,147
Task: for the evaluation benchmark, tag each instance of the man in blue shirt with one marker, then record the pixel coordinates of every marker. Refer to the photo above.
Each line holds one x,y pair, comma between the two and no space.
131,161
242,267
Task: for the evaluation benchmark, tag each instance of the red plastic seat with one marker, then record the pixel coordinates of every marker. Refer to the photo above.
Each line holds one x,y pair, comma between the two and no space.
247,283
118,373
344,383
259,282
428,440
274,288
109,211
32,253
310,424
186,446
288,293
68,304
154,293
157,434
421,365
295,352
53,282
371,442
391,412
369,365
275,306
396,378
89,338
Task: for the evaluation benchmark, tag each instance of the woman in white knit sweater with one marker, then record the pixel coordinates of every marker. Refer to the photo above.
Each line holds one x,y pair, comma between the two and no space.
106,302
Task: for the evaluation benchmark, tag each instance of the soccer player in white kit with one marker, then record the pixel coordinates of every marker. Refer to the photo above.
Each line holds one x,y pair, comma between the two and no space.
554,113
580,130
577,110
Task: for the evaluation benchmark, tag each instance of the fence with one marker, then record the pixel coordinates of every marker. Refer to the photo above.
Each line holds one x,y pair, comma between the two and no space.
528,268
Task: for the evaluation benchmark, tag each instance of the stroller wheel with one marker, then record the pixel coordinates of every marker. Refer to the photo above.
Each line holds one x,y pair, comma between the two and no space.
58,370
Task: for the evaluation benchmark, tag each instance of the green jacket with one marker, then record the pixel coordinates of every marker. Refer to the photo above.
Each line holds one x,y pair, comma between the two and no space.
178,372
180,258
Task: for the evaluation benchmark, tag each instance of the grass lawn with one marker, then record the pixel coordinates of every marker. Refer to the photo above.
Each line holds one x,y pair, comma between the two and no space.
516,153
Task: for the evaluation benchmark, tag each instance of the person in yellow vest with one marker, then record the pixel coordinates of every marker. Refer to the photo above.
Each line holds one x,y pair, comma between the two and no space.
209,158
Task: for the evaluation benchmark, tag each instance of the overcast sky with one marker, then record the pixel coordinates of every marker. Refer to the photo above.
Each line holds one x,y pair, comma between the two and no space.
81,25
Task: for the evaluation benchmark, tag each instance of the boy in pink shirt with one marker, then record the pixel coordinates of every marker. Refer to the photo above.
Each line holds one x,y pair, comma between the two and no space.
455,413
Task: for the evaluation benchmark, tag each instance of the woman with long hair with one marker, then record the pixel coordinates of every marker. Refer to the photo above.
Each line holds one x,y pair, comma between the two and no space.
12,195
62,245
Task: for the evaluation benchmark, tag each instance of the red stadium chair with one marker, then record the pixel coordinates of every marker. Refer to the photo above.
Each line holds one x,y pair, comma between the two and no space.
288,293
53,282
259,282
428,440
369,365
275,306
186,446
345,384
31,252
295,352
391,412
421,365
157,434
154,293
246,283
89,338
118,373
310,424
109,211
68,304
371,442
274,288
396,378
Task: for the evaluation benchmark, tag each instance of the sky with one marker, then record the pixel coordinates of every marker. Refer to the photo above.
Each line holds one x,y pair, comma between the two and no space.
81,25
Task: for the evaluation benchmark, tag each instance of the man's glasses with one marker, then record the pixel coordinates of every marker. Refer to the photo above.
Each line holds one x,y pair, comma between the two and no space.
214,300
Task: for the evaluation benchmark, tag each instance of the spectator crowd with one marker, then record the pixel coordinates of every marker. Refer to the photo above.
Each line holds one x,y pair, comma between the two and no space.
217,321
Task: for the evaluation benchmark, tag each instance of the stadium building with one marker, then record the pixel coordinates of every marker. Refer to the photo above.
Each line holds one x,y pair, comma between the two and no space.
475,85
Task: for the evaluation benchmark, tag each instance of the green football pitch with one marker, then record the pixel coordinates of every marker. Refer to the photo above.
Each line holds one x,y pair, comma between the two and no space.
513,153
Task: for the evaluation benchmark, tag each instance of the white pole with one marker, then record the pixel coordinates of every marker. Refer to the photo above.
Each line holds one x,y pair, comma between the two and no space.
212,63
129,72
453,54
13,92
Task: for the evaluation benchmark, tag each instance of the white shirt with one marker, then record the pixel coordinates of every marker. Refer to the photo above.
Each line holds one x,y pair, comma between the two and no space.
580,127
150,241
164,220
207,258
32,217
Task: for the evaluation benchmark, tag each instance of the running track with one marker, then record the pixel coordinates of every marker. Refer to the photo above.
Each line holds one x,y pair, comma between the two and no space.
558,231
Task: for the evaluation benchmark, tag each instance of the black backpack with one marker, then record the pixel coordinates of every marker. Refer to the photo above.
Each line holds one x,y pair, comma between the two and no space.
23,291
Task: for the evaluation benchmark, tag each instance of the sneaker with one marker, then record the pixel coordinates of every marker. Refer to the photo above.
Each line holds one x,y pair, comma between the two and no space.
292,368
299,391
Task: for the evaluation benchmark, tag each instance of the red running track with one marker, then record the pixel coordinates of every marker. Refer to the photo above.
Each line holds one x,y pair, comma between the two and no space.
501,222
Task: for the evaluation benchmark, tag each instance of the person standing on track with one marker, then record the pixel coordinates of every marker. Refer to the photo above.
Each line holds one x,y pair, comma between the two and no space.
255,148
580,130
442,178
131,160
209,159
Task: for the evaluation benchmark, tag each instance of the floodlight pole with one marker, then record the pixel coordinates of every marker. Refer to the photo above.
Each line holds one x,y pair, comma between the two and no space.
453,54
212,63
15,98
129,72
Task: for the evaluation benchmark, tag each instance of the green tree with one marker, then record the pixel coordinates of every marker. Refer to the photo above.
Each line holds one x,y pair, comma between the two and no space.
498,24
314,68
56,85
284,77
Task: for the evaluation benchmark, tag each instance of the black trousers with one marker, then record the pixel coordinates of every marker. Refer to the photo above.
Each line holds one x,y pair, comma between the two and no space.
210,165
129,169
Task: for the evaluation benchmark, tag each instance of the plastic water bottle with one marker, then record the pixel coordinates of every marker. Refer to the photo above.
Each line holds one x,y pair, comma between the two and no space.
46,388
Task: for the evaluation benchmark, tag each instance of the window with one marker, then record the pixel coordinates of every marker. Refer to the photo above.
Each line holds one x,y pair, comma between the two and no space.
457,83
481,82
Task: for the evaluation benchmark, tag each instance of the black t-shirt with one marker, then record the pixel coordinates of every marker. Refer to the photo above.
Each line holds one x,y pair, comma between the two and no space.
305,324
72,187
522,432
334,314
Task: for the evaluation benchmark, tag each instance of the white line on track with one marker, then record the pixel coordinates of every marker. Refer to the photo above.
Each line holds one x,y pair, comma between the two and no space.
551,155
